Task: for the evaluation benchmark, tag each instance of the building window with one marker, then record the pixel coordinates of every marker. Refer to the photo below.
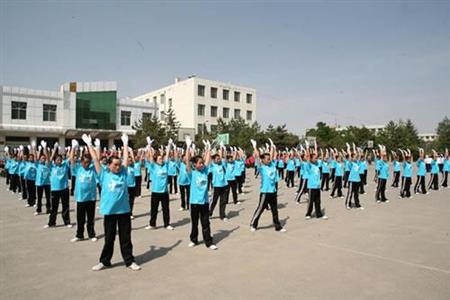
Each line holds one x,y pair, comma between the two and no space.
146,116
237,96
213,128
18,110
201,110
125,118
249,98
249,115
201,90
226,113
237,113
214,111
49,112
170,102
214,92
226,94
147,100
163,99
201,128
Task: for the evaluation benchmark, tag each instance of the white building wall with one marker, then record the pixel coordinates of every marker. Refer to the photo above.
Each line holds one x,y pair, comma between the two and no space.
137,108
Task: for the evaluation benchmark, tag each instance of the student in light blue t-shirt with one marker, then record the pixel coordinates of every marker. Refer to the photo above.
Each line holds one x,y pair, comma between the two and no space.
198,168
446,169
338,174
230,175
383,175
114,205
434,179
220,184
172,170
290,169
421,172
30,177
407,175
85,193
396,168
42,182
314,185
268,191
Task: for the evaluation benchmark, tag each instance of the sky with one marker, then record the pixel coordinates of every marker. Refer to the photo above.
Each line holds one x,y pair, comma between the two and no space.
340,62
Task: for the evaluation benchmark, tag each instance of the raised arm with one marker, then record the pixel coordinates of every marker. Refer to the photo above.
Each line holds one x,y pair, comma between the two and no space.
187,157
126,153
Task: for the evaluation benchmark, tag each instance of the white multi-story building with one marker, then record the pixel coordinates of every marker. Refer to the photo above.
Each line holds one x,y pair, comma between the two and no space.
59,116
198,103
428,137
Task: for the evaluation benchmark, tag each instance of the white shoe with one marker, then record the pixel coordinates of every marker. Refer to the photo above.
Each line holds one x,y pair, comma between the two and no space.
307,218
46,226
324,218
134,266
35,205
348,207
225,219
253,229
150,227
378,201
342,197
361,208
282,230
387,201
331,197
170,228
132,217
238,203
180,209
36,213
94,239
75,239
27,205
69,225
213,247
191,244
98,267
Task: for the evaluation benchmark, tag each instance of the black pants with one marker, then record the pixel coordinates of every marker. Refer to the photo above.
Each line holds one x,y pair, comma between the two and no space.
381,190
31,191
210,179
131,197
332,174
337,186
420,183
154,205
314,199
173,184
23,185
353,193
99,188
110,223
290,178
8,177
185,191
40,191
325,182
240,183
445,179
396,179
302,189
361,183
281,172
200,211
346,175
58,196
406,187
219,193
434,182
138,185
267,199
15,183
72,186
232,185
85,212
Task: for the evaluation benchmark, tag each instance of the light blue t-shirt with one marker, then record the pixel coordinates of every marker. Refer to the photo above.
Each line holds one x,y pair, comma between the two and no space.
396,166
280,163
42,174
159,175
229,170
199,186
218,171
30,170
22,165
304,170
325,167
384,170
131,177
434,167
338,171
347,165
184,178
269,177
446,165
421,169
114,196
407,169
290,165
137,168
172,168
238,167
86,187
14,167
354,172
59,176
362,166
314,176
298,162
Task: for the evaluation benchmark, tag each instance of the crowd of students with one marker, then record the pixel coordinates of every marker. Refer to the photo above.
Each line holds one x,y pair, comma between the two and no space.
115,177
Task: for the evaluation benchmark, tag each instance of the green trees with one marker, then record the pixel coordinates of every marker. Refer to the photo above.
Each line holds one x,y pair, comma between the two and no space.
443,130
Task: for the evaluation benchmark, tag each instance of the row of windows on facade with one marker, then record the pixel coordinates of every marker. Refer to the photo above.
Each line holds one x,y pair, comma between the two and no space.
225,112
19,111
225,94
125,117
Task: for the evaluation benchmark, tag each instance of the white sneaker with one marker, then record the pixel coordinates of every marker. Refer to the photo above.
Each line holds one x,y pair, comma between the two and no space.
361,208
331,197
98,267
132,217
46,226
180,209
387,201
324,217
27,205
35,205
69,225
378,201
253,229
134,266
75,239
342,197
170,228
282,230
94,239
191,244
225,219
150,227
307,218
36,213
238,203
348,207
213,247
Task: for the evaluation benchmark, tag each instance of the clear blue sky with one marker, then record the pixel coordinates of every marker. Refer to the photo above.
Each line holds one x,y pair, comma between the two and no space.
349,62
